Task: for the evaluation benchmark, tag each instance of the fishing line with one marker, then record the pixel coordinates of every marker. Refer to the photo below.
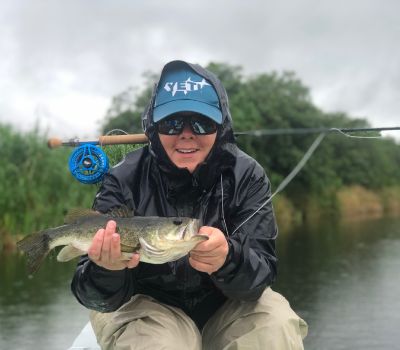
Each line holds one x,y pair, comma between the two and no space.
288,178
297,169
292,131
222,204
117,130
355,136
113,131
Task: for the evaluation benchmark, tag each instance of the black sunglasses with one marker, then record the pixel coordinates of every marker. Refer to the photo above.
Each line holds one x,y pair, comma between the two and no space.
175,124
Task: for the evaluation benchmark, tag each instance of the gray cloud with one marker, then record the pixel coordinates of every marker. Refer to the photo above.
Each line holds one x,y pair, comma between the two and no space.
69,57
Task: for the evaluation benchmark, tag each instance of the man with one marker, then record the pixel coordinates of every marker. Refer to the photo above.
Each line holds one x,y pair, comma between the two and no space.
217,297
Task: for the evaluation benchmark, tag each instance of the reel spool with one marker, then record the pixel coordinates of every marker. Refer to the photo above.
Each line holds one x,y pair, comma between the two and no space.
88,163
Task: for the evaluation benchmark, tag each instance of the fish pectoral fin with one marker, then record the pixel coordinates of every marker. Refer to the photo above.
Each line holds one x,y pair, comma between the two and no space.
68,253
125,256
151,250
129,249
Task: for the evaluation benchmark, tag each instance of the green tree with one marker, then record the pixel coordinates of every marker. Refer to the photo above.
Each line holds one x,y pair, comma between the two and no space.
127,107
280,100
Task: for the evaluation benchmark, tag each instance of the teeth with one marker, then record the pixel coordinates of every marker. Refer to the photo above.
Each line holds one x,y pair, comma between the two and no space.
186,150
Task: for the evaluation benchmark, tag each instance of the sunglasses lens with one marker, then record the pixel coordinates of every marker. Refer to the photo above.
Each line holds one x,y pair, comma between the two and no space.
203,126
175,124
171,126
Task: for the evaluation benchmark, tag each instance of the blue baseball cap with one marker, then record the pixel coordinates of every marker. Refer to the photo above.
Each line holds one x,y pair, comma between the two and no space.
181,89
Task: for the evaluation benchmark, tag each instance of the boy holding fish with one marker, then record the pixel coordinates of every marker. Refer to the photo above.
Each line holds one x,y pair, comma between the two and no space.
218,296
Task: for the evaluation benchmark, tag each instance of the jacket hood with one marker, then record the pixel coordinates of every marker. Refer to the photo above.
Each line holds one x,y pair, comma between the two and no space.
221,156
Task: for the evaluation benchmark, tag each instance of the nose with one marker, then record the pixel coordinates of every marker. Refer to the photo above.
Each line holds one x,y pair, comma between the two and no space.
187,131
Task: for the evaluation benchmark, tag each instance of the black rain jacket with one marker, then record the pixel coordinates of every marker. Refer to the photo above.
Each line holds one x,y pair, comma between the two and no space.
227,188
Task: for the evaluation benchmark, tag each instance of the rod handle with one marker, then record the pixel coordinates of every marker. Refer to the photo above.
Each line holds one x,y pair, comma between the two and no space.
123,139
103,140
54,142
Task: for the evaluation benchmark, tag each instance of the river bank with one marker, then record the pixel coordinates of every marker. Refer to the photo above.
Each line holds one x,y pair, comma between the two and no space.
346,204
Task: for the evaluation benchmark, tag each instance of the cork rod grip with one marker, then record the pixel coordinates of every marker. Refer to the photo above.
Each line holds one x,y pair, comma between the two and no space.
123,139
103,140
54,143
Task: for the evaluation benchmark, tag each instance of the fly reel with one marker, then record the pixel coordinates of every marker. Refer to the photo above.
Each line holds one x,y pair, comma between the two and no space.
88,163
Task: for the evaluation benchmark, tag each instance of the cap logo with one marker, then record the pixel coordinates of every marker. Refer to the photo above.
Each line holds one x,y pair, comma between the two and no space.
185,86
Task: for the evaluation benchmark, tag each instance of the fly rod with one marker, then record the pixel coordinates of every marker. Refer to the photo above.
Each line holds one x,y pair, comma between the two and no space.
291,131
142,138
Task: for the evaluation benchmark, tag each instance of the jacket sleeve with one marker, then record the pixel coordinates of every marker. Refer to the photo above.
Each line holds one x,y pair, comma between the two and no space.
251,264
99,289
95,287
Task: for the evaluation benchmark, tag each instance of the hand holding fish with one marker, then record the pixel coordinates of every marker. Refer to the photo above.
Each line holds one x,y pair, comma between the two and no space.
152,239
105,250
210,255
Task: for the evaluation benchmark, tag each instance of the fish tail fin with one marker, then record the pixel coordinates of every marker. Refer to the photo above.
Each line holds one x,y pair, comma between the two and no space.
36,248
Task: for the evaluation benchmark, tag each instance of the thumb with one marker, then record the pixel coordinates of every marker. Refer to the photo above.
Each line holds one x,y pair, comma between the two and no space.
206,230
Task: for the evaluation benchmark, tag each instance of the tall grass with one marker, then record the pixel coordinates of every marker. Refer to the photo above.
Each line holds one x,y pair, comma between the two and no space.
116,153
36,187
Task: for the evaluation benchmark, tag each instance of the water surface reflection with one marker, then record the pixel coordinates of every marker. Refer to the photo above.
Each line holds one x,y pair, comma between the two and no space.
342,278
37,312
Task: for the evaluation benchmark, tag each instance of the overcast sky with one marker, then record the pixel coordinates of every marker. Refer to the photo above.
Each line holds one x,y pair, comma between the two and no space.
62,61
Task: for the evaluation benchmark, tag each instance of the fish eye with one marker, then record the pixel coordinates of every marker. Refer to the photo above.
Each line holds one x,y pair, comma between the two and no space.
177,221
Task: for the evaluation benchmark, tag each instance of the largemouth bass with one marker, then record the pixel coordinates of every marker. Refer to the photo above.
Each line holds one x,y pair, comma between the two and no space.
157,239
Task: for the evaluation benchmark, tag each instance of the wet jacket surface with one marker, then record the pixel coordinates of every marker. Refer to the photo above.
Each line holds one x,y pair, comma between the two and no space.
227,188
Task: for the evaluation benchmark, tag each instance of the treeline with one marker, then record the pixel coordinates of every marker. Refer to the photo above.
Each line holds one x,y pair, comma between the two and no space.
273,101
36,188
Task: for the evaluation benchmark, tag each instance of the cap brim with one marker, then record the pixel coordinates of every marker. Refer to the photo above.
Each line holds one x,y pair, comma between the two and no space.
163,111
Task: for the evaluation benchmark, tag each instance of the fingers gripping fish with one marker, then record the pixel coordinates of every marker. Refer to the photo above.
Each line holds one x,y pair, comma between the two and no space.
157,239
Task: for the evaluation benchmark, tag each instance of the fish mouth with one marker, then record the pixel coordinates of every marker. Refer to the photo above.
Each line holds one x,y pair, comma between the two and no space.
189,230
182,232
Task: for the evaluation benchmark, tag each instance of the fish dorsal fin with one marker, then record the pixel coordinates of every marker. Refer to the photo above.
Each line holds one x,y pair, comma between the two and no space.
76,214
120,212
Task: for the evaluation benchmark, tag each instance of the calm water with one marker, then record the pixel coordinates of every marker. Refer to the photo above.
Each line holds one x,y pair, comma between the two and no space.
343,279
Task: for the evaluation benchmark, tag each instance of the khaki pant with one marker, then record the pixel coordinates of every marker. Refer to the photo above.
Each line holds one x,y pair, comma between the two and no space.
143,323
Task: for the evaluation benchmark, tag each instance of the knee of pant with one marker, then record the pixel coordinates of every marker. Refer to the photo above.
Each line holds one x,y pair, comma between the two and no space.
145,334
277,321
281,322
278,331
257,331
276,313
284,328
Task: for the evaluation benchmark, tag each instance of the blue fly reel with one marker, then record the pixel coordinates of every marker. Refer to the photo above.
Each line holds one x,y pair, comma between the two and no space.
88,163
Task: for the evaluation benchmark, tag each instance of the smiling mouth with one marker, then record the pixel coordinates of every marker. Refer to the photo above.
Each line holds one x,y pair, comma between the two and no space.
187,151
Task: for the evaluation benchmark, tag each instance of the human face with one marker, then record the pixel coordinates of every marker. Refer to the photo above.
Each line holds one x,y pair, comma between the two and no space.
187,150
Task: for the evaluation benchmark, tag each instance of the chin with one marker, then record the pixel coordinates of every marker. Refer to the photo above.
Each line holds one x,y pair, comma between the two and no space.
189,167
